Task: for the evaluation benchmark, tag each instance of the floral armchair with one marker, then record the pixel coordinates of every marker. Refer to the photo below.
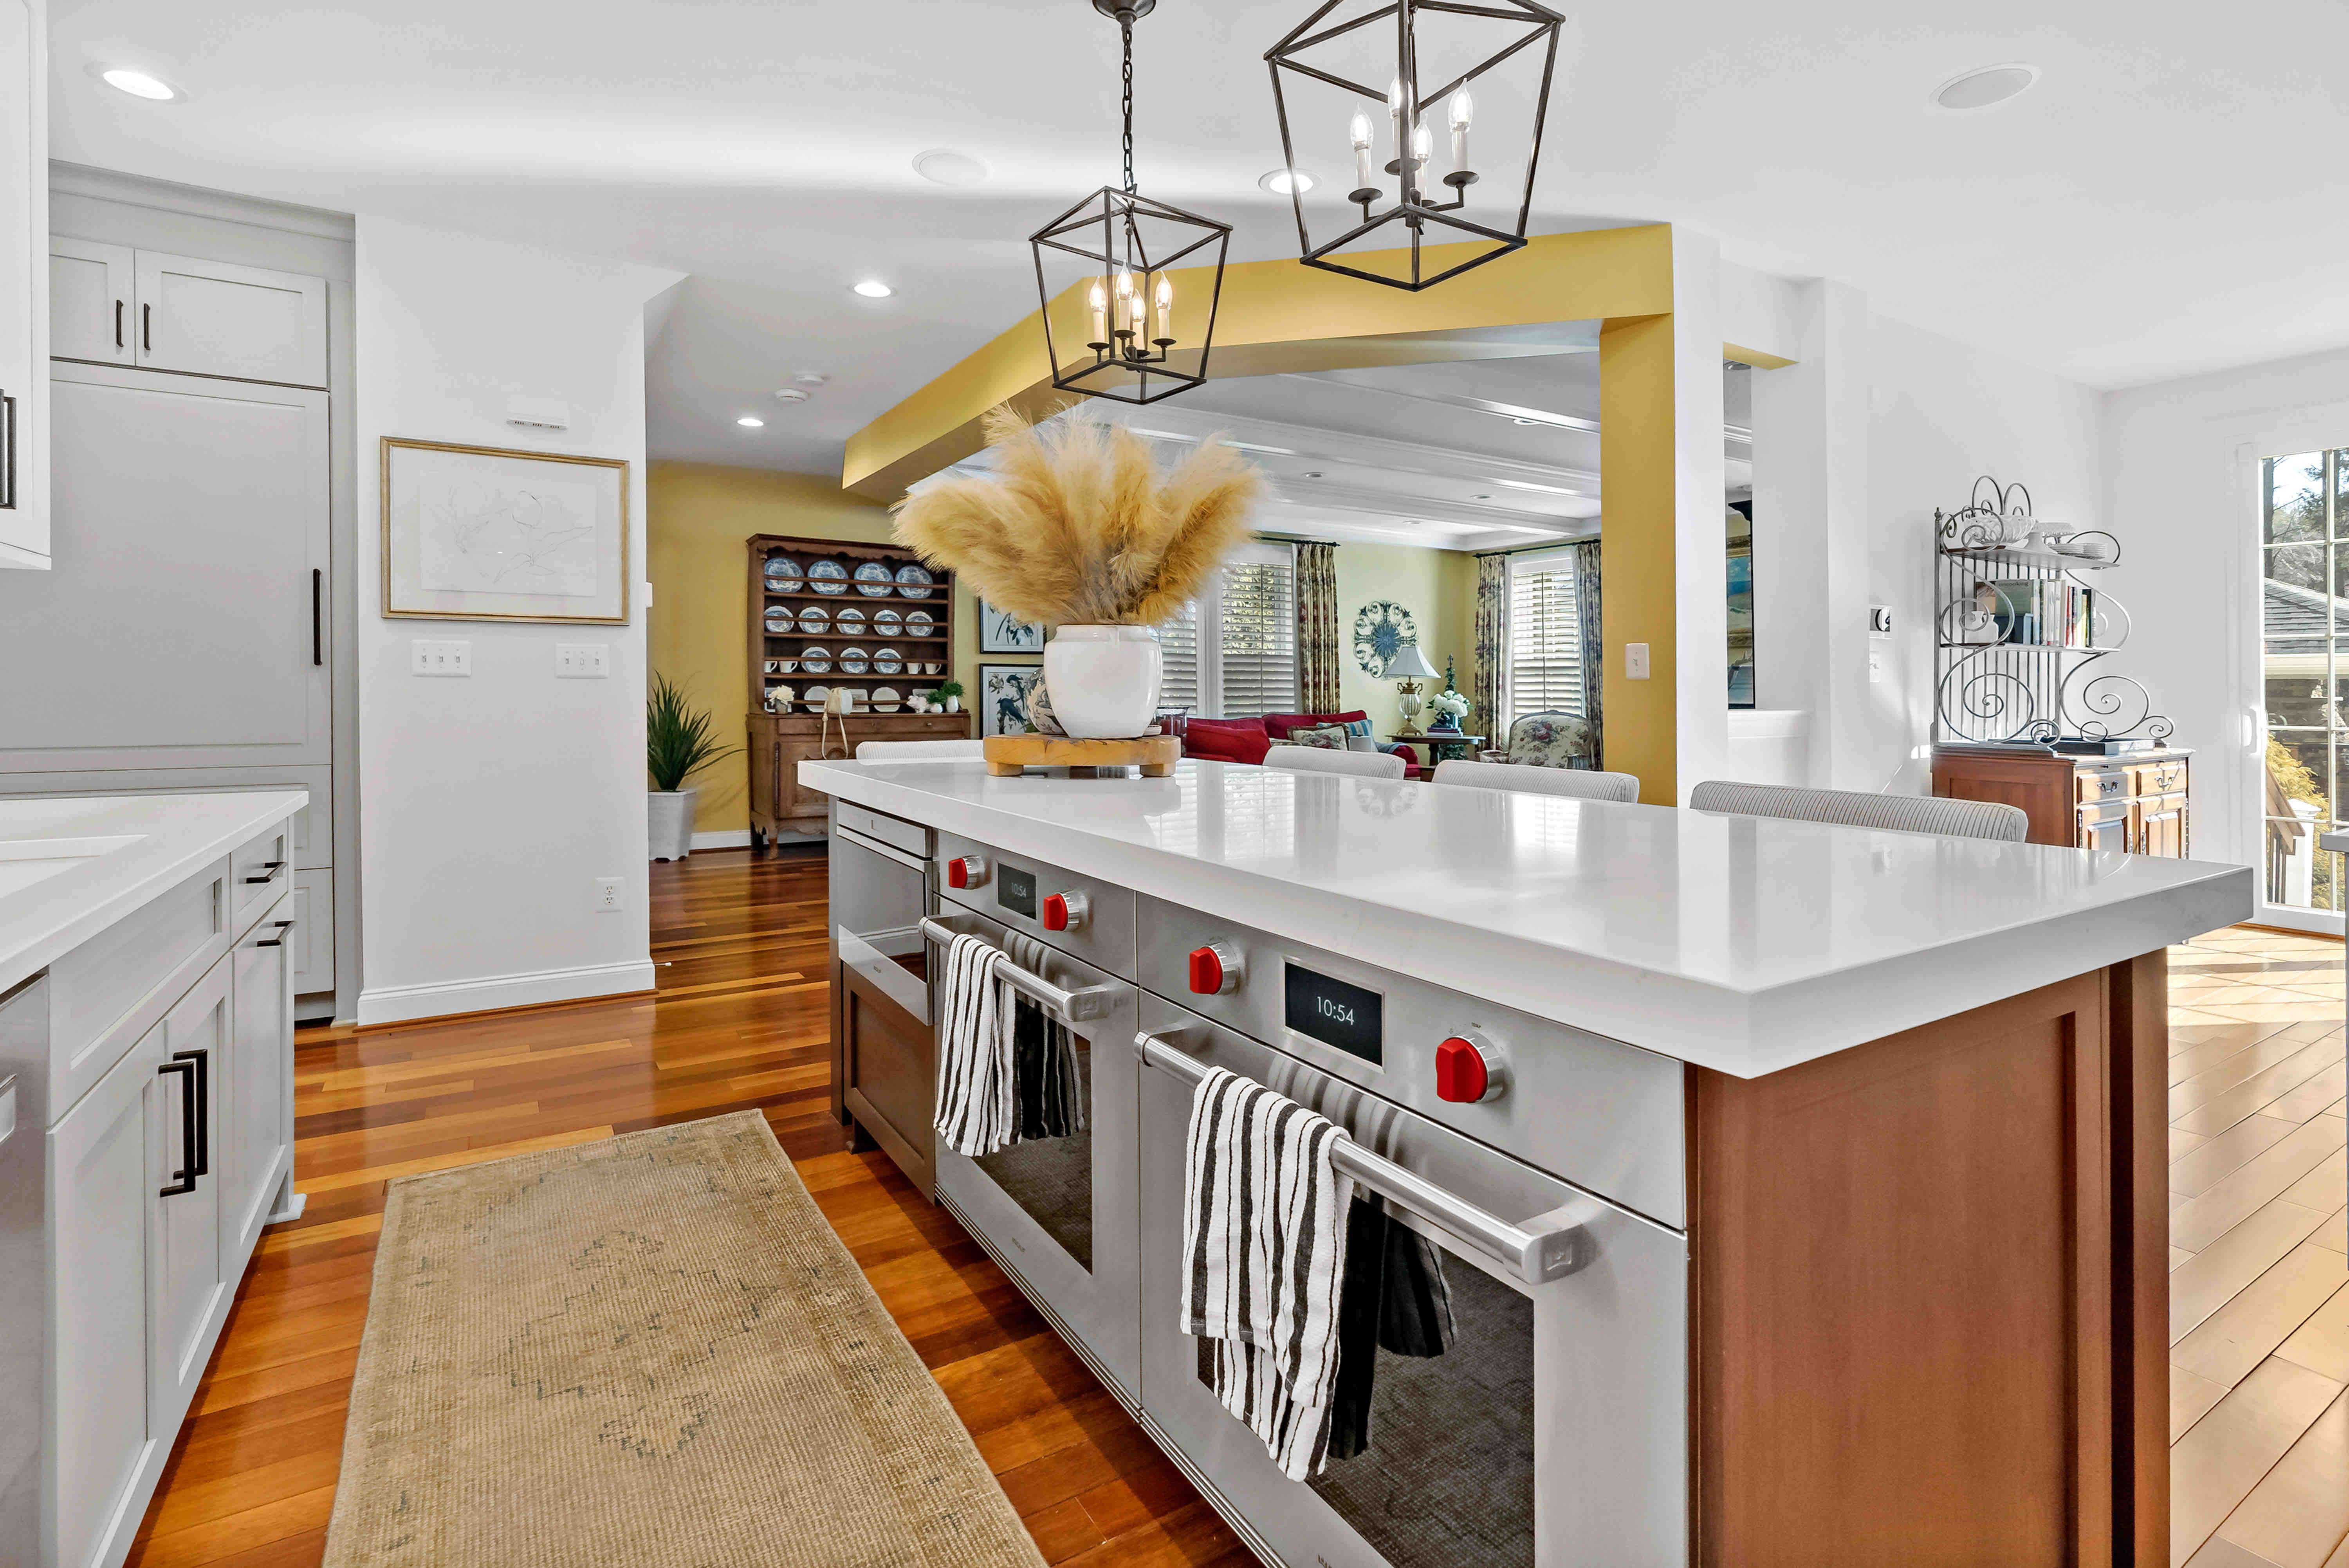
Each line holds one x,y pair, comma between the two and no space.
1548,740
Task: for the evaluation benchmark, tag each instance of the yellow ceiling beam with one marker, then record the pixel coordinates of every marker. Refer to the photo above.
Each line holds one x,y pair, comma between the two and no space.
1279,315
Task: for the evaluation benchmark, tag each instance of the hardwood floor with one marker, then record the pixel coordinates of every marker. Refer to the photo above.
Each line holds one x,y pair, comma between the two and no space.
738,1019
2259,1282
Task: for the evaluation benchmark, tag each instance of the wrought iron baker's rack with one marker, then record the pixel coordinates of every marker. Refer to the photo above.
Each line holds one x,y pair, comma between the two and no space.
1993,686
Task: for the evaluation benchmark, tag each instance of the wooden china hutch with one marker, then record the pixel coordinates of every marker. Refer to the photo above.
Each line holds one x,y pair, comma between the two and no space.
2134,800
785,730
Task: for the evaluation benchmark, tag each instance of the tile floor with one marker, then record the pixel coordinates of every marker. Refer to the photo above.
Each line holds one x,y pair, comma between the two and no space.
2259,1264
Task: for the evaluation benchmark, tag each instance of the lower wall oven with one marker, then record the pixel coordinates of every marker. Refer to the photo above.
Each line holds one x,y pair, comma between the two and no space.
1059,1211
1547,1428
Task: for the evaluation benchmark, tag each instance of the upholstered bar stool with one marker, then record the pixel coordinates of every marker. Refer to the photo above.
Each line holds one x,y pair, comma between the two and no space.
1315,760
917,750
1857,809
1580,784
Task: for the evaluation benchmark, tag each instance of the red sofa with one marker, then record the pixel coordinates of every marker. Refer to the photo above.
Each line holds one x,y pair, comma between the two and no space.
1248,740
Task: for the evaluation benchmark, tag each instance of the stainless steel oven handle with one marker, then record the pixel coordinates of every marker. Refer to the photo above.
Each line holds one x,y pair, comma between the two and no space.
1536,1256
1077,1006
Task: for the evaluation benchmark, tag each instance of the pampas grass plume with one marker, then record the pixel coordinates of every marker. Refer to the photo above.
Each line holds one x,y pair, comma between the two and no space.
1077,526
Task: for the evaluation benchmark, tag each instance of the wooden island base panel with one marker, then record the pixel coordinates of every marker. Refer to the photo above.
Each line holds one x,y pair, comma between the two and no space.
1929,1310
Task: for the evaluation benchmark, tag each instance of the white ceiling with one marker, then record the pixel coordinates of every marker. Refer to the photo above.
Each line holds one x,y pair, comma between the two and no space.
2166,200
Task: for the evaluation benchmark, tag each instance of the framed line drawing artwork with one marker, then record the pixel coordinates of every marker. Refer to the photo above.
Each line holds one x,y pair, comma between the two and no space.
1000,633
484,534
1003,698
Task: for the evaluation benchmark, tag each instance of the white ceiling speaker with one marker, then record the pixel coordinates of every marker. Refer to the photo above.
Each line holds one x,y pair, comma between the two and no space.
1982,88
790,395
810,378
943,165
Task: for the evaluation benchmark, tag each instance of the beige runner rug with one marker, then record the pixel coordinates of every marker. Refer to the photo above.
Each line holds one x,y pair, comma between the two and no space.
645,1352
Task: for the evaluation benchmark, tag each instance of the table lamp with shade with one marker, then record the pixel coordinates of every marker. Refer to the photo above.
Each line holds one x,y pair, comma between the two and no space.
1407,669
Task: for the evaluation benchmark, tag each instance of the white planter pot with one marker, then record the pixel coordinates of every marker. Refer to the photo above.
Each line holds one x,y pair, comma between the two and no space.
670,820
1105,680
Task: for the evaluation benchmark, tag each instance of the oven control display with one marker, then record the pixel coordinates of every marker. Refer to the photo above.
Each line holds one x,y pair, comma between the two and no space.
1015,890
1335,1013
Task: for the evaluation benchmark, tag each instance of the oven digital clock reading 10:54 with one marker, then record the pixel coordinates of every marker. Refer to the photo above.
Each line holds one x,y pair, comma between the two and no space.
1334,1013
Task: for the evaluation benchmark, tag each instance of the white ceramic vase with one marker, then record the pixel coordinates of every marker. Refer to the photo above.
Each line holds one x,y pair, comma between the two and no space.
1105,680
670,821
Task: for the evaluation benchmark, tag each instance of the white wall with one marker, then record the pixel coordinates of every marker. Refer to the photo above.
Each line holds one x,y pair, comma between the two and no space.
2182,470
490,806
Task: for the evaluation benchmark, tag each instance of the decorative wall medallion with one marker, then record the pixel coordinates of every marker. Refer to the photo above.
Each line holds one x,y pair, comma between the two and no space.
1380,630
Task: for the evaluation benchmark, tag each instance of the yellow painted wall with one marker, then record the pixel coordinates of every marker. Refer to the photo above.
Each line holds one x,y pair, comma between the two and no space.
1437,586
698,628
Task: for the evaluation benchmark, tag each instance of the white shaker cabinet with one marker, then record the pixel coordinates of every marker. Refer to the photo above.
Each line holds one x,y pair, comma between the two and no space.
91,292
111,305
255,1084
24,285
184,1235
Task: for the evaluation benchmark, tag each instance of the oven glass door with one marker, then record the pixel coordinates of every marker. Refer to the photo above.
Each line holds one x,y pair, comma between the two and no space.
1057,1205
1501,1424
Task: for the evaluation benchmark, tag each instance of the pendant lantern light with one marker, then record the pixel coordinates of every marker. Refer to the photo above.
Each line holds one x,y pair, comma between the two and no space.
1403,194
1115,324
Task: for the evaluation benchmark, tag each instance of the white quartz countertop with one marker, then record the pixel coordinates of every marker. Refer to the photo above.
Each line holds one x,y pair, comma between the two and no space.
1741,944
70,866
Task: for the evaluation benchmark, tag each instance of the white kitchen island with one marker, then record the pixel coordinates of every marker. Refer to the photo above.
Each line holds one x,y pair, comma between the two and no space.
1799,1189
145,1133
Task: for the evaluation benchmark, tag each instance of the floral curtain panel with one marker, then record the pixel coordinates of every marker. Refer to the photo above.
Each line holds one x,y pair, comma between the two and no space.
1317,627
1492,641
1594,648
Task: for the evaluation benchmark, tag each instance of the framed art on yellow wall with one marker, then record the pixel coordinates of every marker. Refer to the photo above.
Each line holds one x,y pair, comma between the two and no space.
485,533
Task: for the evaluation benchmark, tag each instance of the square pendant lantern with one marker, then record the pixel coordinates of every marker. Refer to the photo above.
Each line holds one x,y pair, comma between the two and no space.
1394,91
1118,324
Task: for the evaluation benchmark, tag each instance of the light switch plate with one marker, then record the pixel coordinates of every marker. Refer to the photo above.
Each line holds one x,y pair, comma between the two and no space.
582,661
426,657
1635,661
1875,667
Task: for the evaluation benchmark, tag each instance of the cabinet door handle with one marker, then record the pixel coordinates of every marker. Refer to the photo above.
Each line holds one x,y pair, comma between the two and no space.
318,591
282,927
117,324
183,1179
7,453
269,872
777,780
147,328
203,1062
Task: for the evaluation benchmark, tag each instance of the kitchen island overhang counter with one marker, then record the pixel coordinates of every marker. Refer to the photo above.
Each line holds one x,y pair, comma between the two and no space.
1741,944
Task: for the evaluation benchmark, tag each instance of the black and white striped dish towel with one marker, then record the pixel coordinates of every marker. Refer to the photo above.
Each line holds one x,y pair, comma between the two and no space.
977,1100
1263,1227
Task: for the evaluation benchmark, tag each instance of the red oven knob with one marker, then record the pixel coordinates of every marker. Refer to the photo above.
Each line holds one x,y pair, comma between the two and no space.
1215,969
1065,911
966,871
1469,1069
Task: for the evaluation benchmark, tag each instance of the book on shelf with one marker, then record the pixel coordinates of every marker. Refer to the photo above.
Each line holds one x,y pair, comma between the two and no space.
2043,612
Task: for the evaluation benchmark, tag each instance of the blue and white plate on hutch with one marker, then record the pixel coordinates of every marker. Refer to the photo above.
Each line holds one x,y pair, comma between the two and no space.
873,580
827,577
814,620
913,582
783,574
779,618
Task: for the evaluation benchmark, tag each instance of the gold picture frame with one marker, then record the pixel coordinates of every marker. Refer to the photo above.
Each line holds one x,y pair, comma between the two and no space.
437,569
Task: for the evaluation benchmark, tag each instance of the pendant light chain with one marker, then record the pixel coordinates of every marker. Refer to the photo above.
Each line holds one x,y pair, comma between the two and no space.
1125,25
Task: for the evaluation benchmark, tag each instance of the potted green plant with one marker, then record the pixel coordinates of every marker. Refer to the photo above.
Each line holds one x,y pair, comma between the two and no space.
1077,527
679,741
948,696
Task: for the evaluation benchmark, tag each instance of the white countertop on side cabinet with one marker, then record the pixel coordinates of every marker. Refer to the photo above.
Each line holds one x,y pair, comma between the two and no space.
71,866
1741,944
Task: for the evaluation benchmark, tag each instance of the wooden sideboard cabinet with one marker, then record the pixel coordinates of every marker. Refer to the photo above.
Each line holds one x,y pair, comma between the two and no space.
779,742
2138,801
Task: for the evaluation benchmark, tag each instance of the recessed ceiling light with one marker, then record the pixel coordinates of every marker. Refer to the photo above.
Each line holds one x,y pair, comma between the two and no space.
811,378
750,422
1313,473
1982,88
942,166
790,395
139,83
1282,182
1481,497
873,288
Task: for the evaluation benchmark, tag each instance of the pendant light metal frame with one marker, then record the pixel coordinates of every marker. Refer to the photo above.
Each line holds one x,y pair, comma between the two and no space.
1116,216
1413,210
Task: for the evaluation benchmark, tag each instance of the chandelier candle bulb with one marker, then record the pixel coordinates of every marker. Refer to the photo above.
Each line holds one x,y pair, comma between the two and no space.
1462,108
1394,112
1423,150
1163,328
1098,301
1359,133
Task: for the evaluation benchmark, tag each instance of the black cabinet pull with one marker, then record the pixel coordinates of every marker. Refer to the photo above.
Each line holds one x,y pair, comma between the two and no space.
279,940
269,869
317,637
7,453
117,324
183,1179
203,1062
147,327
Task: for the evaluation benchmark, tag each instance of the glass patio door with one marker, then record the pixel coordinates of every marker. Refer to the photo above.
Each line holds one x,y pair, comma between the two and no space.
2303,589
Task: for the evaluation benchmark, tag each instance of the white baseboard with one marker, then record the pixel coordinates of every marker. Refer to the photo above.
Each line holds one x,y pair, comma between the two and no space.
398,1003
723,839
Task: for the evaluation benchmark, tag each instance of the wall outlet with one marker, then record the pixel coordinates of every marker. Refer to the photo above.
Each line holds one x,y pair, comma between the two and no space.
1635,661
1875,667
582,661
607,895
431,658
